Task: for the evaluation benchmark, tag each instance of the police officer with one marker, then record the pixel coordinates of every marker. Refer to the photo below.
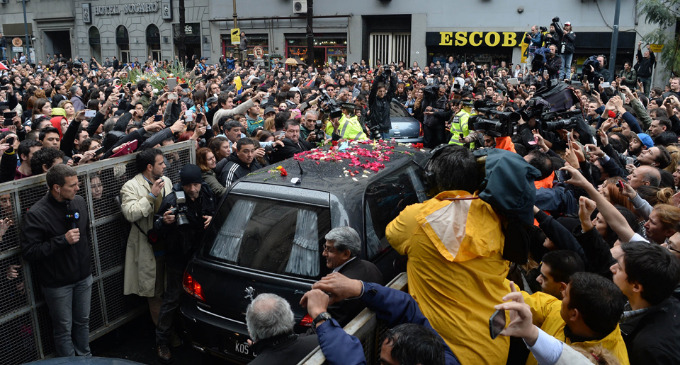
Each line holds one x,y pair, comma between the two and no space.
181,220
460,132
349,126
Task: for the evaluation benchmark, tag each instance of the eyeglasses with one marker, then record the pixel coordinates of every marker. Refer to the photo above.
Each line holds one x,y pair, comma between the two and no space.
668,246
328,249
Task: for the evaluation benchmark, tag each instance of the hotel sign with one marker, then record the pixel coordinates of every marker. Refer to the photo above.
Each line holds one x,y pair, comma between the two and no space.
139,8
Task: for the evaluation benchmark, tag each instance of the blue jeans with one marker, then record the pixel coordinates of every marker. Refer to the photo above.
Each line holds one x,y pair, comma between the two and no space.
565,73
69,307
646,83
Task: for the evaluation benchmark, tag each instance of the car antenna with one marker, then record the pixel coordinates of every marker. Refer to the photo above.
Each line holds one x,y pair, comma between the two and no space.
298,180
301,171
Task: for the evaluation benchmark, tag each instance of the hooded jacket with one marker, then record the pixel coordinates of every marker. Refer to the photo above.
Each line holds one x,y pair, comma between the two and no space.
456,271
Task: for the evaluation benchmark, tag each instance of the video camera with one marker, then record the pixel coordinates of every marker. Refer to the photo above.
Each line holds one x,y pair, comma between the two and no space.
502,124
534,108
554,125
330,106
561,120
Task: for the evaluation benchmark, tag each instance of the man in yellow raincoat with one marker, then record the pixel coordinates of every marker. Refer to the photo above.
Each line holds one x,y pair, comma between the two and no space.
587,316
454,243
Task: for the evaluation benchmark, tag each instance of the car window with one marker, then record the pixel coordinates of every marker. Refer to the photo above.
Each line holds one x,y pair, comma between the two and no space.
385,199
396,110
272,236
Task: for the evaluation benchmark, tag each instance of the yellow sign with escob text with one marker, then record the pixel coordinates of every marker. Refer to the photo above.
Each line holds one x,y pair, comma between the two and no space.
477,39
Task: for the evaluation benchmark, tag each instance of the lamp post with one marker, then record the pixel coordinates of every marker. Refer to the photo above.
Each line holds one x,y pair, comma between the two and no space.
615,42
310,33
28,49
235,22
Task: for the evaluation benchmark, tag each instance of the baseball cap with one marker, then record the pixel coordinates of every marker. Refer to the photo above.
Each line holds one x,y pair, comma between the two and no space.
269,109
567,23
646,139
211,100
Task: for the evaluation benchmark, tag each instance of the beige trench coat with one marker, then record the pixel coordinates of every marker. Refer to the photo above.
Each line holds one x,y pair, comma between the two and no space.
140,263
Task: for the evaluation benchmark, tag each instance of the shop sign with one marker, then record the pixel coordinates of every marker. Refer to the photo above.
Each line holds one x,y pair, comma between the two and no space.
235,36
474,39
17,42
655,47
17,49
139,8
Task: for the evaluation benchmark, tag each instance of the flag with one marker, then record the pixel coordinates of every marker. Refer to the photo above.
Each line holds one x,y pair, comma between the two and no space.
3,67
239,85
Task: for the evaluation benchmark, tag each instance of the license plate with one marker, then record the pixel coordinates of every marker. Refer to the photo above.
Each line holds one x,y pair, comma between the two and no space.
242,348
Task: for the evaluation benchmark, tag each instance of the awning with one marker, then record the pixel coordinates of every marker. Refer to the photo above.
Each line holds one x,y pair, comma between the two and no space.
16,30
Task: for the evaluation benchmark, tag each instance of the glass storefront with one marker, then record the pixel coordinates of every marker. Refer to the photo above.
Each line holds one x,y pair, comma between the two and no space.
254,40
328,48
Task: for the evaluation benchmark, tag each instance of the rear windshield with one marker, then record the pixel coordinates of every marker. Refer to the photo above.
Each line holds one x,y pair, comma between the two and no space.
272,236
396,110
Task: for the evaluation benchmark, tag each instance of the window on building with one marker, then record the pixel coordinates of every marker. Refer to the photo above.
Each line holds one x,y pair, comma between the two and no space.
153,42
390,47
123,42
95,43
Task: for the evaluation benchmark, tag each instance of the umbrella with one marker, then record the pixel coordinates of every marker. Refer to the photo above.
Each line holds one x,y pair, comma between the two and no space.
291,62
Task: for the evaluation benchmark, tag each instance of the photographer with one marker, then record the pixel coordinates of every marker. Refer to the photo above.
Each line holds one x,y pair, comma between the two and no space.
566,46
535,39
434,122
379,102
181,220
553,63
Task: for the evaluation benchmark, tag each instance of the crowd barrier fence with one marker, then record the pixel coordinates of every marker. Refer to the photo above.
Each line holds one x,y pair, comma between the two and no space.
25,326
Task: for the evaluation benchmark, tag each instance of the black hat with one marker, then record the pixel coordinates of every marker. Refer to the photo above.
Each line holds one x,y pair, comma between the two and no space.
190,174
270,109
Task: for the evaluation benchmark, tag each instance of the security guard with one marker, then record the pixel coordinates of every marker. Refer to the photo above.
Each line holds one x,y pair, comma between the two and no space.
460,133
349,126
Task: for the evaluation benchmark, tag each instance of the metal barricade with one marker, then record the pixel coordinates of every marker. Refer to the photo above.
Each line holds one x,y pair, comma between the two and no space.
366,328
25,326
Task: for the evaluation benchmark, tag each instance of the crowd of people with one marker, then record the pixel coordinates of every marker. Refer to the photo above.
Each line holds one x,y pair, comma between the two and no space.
593,258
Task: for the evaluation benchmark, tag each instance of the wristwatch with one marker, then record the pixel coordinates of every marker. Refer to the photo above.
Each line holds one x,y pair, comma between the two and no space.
320,318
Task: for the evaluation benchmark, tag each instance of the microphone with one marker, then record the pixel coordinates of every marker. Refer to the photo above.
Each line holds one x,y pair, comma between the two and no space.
74,217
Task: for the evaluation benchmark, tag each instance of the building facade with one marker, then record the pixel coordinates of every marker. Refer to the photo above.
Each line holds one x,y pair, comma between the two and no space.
385,30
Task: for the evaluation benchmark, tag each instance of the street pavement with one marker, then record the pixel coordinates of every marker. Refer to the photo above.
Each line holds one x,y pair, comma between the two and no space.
135,341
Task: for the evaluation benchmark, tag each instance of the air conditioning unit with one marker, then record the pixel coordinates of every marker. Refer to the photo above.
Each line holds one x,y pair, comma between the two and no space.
300,6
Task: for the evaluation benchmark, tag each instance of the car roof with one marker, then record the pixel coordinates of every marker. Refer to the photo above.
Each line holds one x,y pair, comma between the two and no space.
329,169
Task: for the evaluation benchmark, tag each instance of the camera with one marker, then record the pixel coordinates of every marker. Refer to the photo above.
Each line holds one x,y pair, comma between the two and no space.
556,19
543,29
387,72
180,211
318,130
